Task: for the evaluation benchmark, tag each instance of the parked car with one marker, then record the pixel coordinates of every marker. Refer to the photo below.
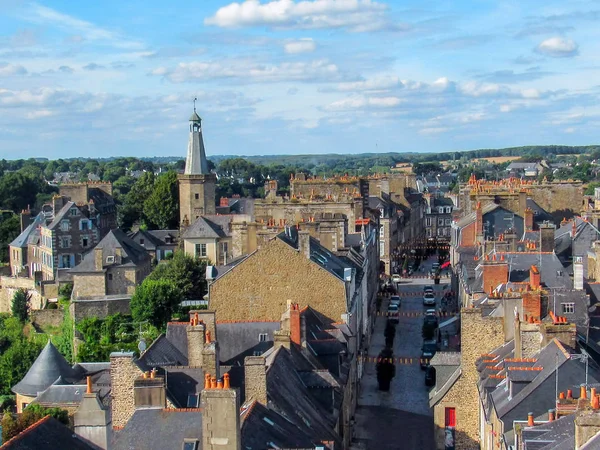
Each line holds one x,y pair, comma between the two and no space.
435,266
395,300
396,278
431,317
429,299
393,313
428,288
427,352
430,376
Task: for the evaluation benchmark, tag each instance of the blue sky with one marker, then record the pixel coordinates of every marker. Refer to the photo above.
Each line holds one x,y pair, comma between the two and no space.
110,78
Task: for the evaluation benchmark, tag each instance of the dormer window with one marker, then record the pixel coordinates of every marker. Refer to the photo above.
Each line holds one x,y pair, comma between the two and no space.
74,211
190,444
110,260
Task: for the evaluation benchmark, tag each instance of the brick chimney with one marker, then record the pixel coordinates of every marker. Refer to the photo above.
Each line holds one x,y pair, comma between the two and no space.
494,273
295,324
547,237
532,304
221,417
528,219
478,220
92,421
535,278
255,378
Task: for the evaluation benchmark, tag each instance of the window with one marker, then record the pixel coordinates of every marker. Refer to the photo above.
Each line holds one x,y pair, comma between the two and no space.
381,248
110,277
428,232
110,260
84,225
440,222
65,242
568,308
441,209
440,231
381,213
65,261
450,417
224,248
190,444
381,232
65,225
262,337
192,401
428,221
24,405
196,196
448,209
142,242
73,211
201,250
256,353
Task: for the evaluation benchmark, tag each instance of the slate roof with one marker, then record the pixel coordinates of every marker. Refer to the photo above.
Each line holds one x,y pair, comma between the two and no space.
209,226
442,201
240,339
182,382
24,238
241,206
151,242
470,218
167,237
168,428
523,165
262,428
45,370
163,353
539,213
60,215
47,434
550,434
62,394
132,253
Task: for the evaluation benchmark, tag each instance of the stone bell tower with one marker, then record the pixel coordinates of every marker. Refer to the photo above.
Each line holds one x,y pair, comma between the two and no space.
196,184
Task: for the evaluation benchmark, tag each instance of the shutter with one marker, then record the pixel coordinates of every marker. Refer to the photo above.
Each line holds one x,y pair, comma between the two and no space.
450,417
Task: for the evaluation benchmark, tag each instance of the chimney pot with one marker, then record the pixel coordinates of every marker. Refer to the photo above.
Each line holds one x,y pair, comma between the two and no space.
220,383
595,402
583,393
569,393
551,415
208,337
213,383
89,385
530,421
226,384
207,381
561,396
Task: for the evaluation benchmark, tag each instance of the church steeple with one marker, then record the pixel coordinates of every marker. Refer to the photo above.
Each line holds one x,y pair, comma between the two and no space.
195,162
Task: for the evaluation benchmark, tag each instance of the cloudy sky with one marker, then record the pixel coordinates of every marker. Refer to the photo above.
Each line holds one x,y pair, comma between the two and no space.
97,79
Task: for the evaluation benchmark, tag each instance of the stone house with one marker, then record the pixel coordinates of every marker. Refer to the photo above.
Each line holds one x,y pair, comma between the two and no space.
388,231
573,240
438,217
115,266
158,243
210,238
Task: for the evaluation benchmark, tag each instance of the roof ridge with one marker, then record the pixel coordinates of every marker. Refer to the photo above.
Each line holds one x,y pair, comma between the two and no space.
28,429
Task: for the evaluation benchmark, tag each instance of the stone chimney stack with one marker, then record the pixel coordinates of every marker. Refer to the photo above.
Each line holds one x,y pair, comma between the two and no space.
92,421
221,417
150,391
528,219
123,373
304,242
195,342
587,425
547,237
98,260
255,376
478,223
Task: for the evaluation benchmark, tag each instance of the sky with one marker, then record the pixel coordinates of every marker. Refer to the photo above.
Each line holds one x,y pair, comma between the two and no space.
118,78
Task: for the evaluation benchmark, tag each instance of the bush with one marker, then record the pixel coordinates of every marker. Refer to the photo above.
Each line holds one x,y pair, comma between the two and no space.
12,426
52,306
21,303
65,290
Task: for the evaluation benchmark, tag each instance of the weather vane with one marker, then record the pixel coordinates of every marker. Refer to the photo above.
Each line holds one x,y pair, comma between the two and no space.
195,104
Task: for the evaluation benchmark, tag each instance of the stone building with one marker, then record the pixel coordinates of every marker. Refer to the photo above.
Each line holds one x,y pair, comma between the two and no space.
388,231
114,267
158,243
438,217
197,184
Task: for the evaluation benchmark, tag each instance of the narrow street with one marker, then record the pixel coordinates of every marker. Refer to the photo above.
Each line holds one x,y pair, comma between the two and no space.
400,418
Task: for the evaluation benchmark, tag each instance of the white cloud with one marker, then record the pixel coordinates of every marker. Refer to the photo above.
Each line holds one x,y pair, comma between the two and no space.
371,84
39,114
7,70
530,93
433,130
364,103
507,108
82,29
251,72
570,130
558,47
355,15
301,46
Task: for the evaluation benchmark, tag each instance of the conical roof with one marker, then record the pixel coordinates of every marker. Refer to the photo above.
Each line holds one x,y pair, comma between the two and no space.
195,117
47,368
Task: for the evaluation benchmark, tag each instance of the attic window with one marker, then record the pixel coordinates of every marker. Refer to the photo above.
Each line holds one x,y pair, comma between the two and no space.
110,260
568,308
141,242
74,211
262,337
190,444
192,401
269,421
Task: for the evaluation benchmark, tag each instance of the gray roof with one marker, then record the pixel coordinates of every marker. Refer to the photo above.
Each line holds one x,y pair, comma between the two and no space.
24,238
45,370
60,215
47,434
470,218
548,435
523,165
151,242
446,359
132,253
240,339
168,429
163,353
62,394
213,227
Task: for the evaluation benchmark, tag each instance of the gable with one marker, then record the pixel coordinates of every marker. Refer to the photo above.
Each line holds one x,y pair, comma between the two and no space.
259,288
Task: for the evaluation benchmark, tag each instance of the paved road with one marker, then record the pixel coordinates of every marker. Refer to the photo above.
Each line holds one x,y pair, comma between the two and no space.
400,418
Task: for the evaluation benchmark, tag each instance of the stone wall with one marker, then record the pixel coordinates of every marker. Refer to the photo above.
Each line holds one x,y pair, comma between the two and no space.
123,373
89,284
80,309
47,317
10,285
479,335
123,280
255,374
260,287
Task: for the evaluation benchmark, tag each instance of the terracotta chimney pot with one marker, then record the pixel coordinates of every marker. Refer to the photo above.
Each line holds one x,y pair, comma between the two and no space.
561,396
226,384
220,383
569,393
551,415
583,393
213,383
89,385
530,421
207,381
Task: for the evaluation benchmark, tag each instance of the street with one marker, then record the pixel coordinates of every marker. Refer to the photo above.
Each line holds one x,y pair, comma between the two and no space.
400,418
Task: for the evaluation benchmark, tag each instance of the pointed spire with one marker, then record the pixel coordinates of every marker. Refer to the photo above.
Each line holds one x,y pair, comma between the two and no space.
195,162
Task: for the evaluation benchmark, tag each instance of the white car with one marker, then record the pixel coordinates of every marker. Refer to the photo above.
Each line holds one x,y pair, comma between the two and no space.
396,278
395,300
429,299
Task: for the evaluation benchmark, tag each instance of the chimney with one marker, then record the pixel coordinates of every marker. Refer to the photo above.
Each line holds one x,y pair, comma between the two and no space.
578,273
528,219
223,202
25,218
478,220
221,418
587,425
98,261
494,274
573,227
255,377
535,278
530,420
304,242
564,332
532,304
123,373
210,356
551,415
547,237
92,421
149,392
195,342
281,338
208,318
295,324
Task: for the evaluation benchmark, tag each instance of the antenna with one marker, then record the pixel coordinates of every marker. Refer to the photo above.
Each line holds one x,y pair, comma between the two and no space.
195,99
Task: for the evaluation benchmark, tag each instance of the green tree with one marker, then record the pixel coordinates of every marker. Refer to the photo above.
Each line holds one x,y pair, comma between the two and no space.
186,273
155,301
12,426
161,208
132,207
21,303
9,230
16,361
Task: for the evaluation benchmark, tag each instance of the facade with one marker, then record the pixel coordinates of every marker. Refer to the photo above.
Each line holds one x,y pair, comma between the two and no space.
158,243
388,231
438,217
197,183
210,238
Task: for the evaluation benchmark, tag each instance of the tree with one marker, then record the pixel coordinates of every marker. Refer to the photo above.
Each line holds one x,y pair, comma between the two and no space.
21,303
155,301
188,274
32,414
16,361
132,208
161,208
9,230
